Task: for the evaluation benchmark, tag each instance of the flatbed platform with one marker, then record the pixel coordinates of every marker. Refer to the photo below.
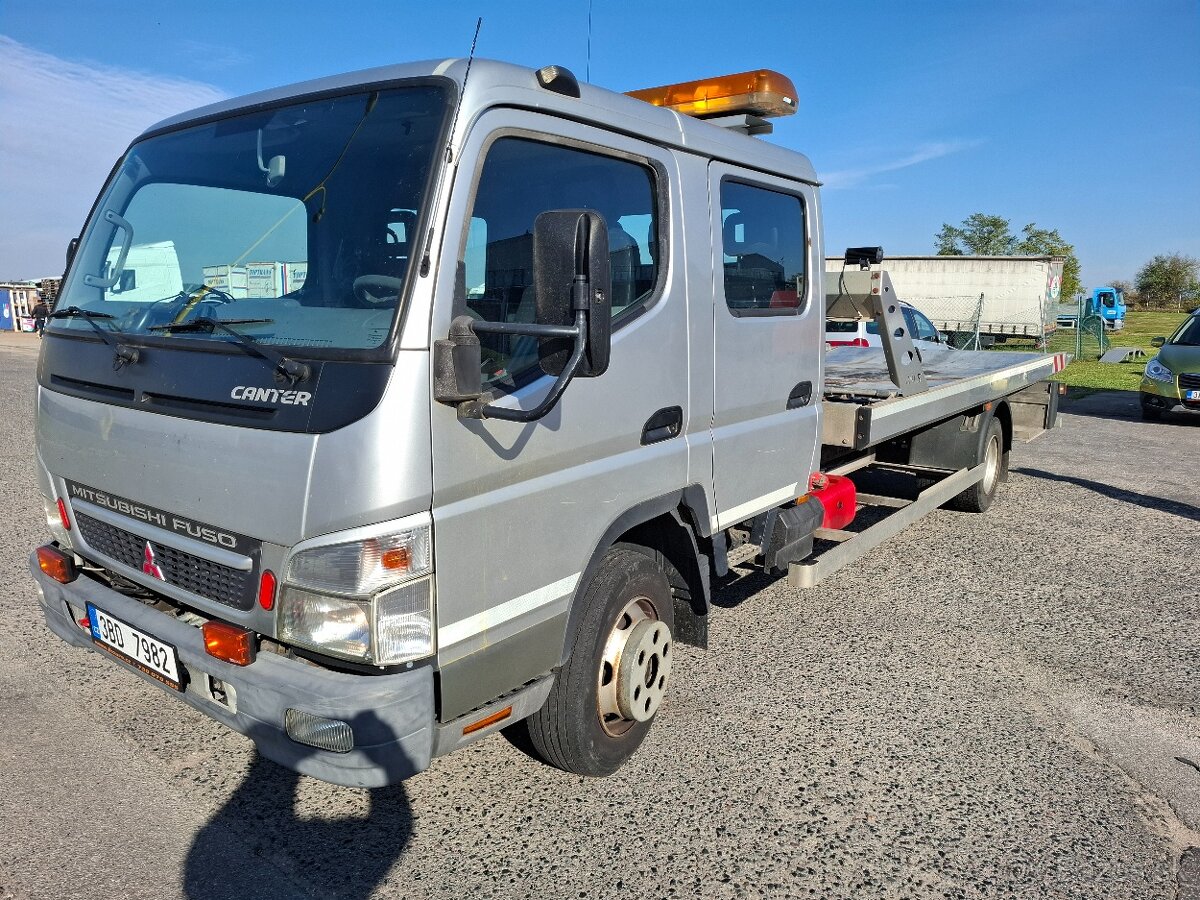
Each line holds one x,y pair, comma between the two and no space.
864,408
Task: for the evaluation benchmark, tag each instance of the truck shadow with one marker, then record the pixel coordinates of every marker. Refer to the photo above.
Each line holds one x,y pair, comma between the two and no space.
1173,507
259,845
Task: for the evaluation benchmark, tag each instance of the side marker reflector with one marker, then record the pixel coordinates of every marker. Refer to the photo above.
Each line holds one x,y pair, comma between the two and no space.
495,717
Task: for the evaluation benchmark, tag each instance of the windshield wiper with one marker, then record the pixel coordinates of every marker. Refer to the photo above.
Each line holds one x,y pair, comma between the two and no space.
123,354
206,323
291,369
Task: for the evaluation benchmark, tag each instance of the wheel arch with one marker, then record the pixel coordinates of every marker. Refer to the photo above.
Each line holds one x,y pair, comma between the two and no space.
672,530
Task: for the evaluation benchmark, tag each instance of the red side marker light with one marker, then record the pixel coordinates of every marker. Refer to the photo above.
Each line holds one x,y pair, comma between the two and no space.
57,564
62,514
229,643
266,590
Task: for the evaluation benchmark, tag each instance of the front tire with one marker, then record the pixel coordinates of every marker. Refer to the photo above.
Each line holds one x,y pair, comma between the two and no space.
606,696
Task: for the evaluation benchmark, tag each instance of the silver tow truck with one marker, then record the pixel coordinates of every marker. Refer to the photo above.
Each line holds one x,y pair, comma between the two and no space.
468,384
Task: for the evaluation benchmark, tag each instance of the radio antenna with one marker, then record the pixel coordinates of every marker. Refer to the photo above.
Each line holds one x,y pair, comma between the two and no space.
466,75
588,75
425,261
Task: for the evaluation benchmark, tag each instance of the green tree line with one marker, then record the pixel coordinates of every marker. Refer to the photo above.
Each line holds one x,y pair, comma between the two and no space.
1170,280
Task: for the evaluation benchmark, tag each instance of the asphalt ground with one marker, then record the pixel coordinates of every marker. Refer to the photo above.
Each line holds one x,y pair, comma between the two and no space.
997,705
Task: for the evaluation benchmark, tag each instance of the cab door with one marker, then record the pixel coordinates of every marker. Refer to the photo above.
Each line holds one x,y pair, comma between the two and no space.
519,508
768,340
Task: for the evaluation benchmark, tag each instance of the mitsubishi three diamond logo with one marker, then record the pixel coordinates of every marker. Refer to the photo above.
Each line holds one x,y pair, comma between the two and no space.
149,566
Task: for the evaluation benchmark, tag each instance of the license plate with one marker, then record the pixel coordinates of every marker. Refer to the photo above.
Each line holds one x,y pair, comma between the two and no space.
145,653
1191,395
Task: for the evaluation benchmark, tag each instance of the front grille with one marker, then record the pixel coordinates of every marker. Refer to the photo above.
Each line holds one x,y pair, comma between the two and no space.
1189,382
231,587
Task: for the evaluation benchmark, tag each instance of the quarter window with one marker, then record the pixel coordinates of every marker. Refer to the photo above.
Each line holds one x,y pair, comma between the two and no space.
763,246
520,179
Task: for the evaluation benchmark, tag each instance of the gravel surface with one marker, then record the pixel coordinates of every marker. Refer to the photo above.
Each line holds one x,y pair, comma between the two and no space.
1000,705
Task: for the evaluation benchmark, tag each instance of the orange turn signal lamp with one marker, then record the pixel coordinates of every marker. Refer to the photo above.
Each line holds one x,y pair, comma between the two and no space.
760,92
229,643
58,565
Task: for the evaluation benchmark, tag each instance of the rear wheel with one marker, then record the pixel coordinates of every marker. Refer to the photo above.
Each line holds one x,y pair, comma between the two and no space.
979,496
605,698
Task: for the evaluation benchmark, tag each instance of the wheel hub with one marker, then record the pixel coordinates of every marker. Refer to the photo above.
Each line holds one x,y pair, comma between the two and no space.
636,668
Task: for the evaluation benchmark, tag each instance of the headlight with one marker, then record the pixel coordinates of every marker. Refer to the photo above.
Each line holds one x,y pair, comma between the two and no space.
368,600
393,627
1156,371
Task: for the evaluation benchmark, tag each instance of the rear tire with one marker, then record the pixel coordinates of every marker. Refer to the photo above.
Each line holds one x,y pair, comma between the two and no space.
979,496
604,699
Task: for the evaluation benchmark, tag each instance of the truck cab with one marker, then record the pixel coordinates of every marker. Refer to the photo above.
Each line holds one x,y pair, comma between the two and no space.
363,520
1108,304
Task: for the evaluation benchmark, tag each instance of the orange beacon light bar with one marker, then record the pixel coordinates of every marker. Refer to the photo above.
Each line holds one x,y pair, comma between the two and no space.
761,92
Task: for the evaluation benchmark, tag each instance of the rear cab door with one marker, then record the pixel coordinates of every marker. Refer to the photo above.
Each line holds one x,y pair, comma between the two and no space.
768,339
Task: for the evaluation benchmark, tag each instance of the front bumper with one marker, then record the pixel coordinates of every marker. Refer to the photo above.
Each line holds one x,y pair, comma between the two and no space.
1164,394
392,716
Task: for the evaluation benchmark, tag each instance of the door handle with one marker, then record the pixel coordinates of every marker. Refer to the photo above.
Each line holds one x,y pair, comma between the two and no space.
663,425
801,395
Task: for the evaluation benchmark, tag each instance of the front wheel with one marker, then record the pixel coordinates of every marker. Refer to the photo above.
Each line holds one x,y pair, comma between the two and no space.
606,696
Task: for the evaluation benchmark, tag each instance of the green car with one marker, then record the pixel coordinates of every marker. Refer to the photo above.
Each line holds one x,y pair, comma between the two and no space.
1173,377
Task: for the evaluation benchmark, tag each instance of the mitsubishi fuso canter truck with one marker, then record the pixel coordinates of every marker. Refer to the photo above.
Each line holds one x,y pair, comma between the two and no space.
532,366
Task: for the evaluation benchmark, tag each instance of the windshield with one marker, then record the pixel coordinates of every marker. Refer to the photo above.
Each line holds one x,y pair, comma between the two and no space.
1188,334
297,223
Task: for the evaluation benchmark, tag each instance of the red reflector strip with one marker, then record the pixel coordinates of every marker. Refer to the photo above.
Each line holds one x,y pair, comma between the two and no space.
266,590
62,514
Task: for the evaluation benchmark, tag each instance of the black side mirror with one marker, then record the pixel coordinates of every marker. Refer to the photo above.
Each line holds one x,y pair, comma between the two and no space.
1157,342
570,274
572,286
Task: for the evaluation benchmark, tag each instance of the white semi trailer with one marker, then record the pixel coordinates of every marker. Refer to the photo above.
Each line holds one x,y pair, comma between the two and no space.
979,300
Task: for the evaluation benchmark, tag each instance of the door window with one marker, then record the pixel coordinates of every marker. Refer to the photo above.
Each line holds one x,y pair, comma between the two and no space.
522,178
763,244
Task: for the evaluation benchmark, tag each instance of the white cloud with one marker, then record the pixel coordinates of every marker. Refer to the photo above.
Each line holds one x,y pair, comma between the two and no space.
848,178
64,125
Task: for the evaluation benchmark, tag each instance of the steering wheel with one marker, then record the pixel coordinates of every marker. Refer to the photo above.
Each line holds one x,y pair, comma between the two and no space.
386,289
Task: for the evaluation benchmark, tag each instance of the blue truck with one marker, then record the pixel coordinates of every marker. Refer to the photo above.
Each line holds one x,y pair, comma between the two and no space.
1105,303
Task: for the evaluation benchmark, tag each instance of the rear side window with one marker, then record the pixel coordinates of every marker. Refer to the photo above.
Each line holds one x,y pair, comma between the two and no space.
522,178
763,246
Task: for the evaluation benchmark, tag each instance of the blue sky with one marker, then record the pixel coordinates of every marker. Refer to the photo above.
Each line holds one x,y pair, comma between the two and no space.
1081,116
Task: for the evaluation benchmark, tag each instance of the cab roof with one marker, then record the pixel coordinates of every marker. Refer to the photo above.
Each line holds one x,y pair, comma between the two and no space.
498,84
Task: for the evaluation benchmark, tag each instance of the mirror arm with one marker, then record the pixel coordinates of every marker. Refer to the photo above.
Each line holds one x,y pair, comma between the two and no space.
529,330
482,409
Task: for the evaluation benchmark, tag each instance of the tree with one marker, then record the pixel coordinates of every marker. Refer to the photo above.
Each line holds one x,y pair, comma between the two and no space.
984,235
1169,279
1048,242
980,235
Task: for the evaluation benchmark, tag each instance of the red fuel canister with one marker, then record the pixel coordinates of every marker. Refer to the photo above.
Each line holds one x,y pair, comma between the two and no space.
837,496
